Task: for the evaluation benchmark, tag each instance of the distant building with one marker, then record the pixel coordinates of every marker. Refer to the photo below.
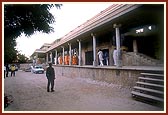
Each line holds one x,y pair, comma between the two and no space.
38,56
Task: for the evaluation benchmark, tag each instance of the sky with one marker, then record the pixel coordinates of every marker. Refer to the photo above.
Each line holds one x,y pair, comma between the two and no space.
70,16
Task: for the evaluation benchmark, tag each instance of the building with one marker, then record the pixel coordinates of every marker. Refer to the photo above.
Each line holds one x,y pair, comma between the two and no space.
39,54
136,30
137,33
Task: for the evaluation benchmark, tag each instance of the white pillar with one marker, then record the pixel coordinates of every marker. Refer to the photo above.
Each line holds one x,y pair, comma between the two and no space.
118,60
51,55
70,54
79,57
56,56
135,48
94,49
63,55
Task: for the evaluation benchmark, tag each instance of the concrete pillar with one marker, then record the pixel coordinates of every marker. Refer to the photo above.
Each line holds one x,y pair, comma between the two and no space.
70,54
47,58
94,49
119,57
56,57
63,55
135,48
80,52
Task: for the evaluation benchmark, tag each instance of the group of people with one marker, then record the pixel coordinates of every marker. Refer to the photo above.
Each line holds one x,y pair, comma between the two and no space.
50,73
8,68
105,57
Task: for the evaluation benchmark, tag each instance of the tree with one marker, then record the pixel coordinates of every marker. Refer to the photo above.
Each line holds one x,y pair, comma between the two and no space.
22,58
27,19
10,53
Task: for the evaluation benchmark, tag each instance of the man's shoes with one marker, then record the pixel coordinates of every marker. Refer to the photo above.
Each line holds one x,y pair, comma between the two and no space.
48,91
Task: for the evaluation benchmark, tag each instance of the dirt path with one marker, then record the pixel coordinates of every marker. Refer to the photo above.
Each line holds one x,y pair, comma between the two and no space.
71,94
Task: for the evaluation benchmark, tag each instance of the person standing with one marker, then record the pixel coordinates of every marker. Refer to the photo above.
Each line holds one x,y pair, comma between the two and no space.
106,57
50,74
13,69
4,71
115,56
7,70
100,54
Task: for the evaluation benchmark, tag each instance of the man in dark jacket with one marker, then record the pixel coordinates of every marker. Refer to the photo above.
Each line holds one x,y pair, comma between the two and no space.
7,70
50,74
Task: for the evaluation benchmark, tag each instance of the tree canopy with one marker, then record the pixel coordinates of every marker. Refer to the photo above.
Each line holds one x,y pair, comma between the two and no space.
27,19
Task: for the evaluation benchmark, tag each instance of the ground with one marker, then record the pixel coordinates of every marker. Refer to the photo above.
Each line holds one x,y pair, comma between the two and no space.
71,94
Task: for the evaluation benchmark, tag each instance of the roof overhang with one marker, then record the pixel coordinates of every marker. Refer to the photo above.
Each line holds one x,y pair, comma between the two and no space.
102,18
129,15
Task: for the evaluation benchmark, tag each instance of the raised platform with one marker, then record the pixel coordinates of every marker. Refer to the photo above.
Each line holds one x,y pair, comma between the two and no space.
123,76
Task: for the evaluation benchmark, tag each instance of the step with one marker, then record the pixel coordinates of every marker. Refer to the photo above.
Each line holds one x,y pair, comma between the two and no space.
149,90
147,96
152,74
150,84
151,79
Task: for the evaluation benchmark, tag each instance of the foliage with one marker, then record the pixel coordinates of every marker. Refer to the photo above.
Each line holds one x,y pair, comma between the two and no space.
10,53
27,19
21,58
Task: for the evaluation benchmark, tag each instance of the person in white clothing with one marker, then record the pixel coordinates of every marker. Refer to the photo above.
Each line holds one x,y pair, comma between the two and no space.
100,54
115,56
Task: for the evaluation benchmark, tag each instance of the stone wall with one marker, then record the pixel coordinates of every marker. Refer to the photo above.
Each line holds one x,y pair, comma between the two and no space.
25,66
123,77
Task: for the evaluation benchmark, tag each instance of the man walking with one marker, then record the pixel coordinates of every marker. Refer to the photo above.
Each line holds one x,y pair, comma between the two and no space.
50,74
100,55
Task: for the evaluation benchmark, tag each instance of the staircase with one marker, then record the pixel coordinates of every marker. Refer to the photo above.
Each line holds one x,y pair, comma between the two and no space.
149,88
149,60
139,59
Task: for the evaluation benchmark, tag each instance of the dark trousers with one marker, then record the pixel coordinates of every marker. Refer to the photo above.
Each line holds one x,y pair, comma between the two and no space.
4,73
7,73
12,73
50,81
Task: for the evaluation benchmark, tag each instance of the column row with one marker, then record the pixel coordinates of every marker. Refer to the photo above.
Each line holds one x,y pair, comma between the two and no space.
79,57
